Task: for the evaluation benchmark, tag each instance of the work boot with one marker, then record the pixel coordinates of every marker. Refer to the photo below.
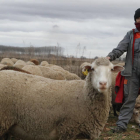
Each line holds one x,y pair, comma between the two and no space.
118,130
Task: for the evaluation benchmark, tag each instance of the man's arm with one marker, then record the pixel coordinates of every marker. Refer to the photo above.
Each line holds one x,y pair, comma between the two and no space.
120,49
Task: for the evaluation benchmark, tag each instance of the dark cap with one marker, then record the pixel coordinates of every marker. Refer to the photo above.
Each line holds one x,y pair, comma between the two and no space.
137,14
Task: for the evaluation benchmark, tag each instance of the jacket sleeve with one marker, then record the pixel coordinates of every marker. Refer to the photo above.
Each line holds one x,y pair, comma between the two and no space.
120,49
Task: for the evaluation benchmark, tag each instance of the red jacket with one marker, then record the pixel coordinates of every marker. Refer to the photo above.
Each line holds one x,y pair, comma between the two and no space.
119,86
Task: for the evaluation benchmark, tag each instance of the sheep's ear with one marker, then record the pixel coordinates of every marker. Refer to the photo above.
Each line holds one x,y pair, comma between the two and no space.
117,68
88,68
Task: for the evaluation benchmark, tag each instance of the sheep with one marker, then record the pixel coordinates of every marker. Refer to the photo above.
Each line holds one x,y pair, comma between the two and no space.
68,75
137,105
37,108
33,69
45,72
136,111
36,62
7,61
50,73
14,60
71,76
54,66
116,107
57,72
13,68
20,64
44,63
121,64
2,65
136,116
65,73
30,63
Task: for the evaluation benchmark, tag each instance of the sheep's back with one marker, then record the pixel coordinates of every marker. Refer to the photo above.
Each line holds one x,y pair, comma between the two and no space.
36,103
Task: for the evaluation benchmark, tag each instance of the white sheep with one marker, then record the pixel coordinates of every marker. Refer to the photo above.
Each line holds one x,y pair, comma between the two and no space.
137,104
121,64
20,64
7,61
66,74
14,60
33,69
116,107
37,108
44,63
46,72
136,111
14,68
136,116
50,73
2,65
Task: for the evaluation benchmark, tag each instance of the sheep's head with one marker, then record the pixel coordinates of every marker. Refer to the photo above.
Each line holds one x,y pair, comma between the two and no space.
136,112
100,71
136,115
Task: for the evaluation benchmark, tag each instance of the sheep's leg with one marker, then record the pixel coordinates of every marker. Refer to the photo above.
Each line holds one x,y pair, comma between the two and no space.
6,137
2,138
18,132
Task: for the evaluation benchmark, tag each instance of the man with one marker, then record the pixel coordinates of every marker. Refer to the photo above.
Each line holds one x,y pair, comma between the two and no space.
131,45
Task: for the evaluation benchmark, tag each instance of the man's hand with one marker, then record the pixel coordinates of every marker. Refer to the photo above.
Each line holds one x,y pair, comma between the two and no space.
108,57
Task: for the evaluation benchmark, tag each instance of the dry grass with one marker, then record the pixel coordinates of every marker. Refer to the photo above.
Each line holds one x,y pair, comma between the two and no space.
132,133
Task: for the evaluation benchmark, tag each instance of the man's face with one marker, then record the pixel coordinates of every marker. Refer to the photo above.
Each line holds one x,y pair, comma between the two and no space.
138,20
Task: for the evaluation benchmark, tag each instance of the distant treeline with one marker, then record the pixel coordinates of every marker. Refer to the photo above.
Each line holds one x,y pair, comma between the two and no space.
58,51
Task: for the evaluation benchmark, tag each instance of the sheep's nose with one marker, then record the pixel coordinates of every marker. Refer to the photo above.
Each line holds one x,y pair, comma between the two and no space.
103,83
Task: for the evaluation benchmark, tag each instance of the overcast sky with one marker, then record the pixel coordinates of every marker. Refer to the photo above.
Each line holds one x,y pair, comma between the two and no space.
95,25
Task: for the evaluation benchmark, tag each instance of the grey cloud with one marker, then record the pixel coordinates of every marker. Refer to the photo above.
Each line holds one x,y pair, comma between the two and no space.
69,10
55,26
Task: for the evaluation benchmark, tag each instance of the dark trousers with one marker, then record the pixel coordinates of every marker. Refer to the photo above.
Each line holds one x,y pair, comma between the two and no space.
131,89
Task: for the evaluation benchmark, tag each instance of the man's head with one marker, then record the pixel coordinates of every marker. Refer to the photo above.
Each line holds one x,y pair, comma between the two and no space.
137,16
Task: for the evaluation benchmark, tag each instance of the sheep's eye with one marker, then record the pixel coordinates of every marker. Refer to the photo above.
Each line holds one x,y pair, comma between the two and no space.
92,69
112,69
